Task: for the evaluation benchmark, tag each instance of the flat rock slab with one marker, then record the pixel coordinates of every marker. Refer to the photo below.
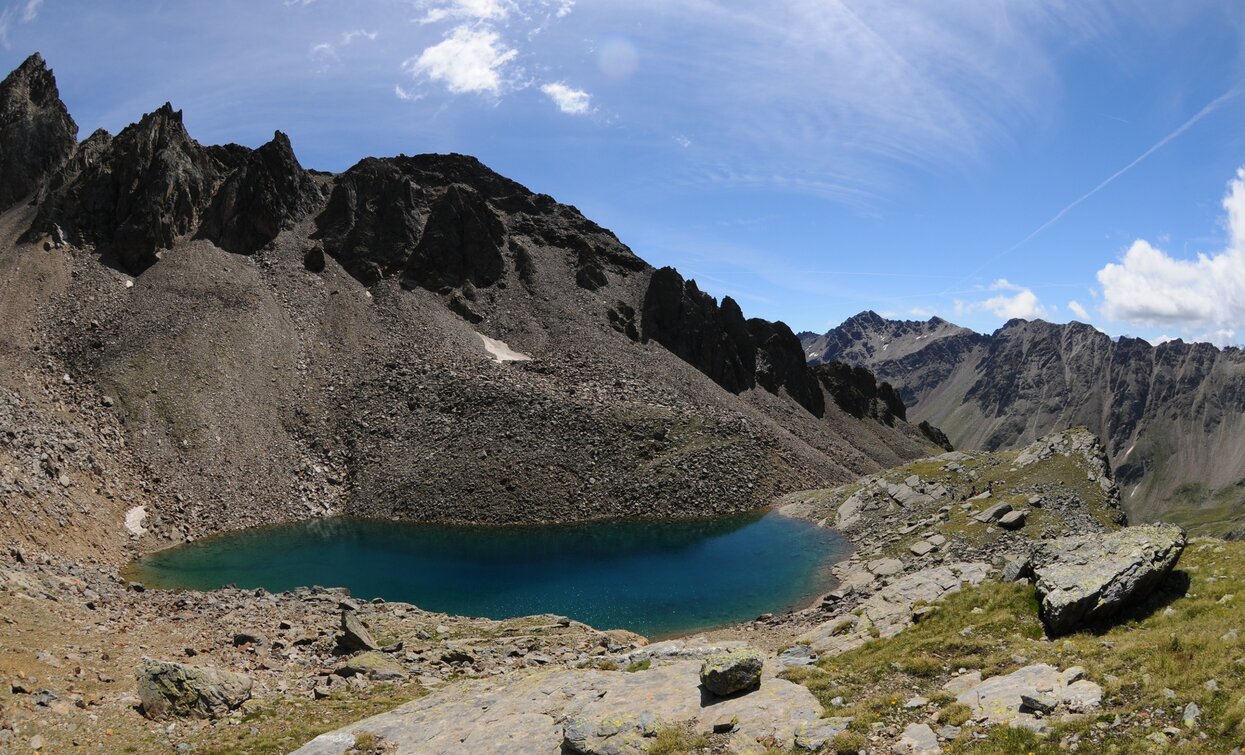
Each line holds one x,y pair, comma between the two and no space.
889,611
1002,699
523,714
997,511
1087,579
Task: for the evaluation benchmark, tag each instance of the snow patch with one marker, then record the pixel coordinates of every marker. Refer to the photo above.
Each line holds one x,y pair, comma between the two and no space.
134,519
502,352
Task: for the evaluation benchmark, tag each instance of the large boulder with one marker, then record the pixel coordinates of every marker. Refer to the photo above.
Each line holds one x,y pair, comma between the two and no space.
1090,578
354,636
735,671
174,689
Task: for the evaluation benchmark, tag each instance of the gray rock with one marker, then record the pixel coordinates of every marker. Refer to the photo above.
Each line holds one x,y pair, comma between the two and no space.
1037,702
1191,714
1012,520
611,735
736,671
917,739
374,665
818,734
800,655
921,547
174,689
522,713
1090,578
1017,568
354,636
993,513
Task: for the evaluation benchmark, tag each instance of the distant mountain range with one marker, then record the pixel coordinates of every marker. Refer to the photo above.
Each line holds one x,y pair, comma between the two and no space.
1172,416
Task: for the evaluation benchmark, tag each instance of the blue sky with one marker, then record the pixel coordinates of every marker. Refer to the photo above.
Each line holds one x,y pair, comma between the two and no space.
974,159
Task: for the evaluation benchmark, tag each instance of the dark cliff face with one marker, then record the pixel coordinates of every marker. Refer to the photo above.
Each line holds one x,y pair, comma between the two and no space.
140,192
1167,414
266,195
735,353
780,364
36,133
714,339
857,391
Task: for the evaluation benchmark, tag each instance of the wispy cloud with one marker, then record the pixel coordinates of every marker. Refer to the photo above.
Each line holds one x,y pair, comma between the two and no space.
351,36
1210,107
22,13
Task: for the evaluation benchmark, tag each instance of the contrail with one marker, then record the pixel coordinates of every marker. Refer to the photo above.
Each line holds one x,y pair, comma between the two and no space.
1214,105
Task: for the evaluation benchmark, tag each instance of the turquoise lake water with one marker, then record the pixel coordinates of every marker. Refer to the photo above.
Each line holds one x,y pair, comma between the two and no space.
655,578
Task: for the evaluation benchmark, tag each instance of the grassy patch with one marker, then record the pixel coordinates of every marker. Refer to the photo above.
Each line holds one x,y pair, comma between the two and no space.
285,726
1178,648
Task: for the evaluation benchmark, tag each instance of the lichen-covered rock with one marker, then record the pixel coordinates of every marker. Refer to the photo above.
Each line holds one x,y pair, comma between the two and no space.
174,689
614,735
375,666
727,673
1090,578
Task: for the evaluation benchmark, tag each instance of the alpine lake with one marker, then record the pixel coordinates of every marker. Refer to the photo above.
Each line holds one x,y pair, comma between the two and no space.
657,578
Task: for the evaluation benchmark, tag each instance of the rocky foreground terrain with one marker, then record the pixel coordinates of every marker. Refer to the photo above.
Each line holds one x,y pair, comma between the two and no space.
1172,416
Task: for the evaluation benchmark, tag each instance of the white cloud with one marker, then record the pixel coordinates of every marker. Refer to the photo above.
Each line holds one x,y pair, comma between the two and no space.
1078,310
568,99
31,11
351,36
467,60
323,51
1204,295
474,10
1017,302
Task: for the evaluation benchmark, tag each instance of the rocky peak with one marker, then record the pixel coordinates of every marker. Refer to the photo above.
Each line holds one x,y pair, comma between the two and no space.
267,194
36,132
141,191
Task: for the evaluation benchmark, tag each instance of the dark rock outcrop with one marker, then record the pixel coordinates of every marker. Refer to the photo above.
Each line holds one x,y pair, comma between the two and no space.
935,435
140,192
714,339
36,133
461,243
856,391
735,353
781,364
268,194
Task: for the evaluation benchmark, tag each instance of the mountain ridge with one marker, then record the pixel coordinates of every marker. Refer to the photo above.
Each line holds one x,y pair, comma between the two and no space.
1169,415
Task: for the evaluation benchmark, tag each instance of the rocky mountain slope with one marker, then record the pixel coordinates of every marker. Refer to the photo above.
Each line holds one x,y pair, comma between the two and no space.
195,338
1171,416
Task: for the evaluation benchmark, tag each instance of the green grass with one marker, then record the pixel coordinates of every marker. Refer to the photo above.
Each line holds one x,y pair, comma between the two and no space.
1178,641
285,726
